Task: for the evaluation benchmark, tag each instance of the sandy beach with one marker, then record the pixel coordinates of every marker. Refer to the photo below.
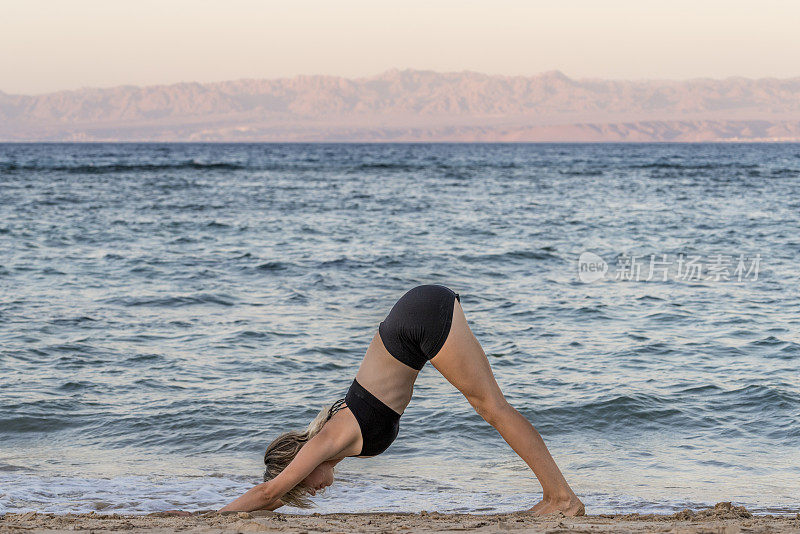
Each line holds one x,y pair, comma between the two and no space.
723,518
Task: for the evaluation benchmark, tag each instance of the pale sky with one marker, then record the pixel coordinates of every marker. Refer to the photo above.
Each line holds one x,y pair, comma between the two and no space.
48,45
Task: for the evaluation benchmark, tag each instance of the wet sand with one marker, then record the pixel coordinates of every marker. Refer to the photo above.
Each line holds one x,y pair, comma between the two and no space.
723,518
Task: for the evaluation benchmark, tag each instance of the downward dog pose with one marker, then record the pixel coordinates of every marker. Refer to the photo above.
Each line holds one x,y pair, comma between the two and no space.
427,323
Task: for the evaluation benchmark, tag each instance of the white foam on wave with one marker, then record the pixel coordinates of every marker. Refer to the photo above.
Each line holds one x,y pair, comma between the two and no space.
146,494
125,494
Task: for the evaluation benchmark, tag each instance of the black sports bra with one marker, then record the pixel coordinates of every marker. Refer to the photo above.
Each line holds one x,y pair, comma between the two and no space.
379,424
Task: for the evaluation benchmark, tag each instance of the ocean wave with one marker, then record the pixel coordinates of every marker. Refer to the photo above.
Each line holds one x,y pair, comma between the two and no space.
620,412
511,255
273,266
120,167
174,301
29,424
387,166
695,166
704,408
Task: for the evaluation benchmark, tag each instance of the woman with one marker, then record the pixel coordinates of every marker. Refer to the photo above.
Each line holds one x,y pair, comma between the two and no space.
427,323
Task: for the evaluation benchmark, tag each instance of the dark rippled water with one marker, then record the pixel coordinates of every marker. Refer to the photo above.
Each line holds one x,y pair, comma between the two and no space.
166,310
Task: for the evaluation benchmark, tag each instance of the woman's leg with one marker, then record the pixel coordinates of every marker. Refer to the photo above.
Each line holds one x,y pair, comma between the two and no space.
463,363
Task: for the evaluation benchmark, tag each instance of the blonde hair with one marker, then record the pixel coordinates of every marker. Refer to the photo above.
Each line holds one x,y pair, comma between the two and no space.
285,447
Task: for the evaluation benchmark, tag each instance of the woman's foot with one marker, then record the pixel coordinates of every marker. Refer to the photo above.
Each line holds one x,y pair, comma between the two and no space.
570,507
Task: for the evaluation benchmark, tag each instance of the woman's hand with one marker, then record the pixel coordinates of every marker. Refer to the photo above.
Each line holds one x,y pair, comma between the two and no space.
256,498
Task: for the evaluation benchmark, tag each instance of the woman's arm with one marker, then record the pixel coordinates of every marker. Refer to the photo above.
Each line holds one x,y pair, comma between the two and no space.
272,506
331,441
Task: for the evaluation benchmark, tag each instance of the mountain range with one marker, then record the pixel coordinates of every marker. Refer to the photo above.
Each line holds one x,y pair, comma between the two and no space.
415,105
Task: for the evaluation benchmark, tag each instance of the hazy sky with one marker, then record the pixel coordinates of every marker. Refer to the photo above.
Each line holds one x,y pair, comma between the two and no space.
66,44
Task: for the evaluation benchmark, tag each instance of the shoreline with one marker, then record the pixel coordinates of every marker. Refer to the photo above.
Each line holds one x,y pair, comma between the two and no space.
723,517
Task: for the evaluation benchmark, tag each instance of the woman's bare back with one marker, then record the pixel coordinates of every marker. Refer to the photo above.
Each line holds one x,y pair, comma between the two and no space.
386,377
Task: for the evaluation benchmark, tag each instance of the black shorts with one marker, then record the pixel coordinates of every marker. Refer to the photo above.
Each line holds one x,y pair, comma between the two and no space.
418,324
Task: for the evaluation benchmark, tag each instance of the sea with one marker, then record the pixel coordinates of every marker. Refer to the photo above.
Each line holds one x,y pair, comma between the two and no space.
166,310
